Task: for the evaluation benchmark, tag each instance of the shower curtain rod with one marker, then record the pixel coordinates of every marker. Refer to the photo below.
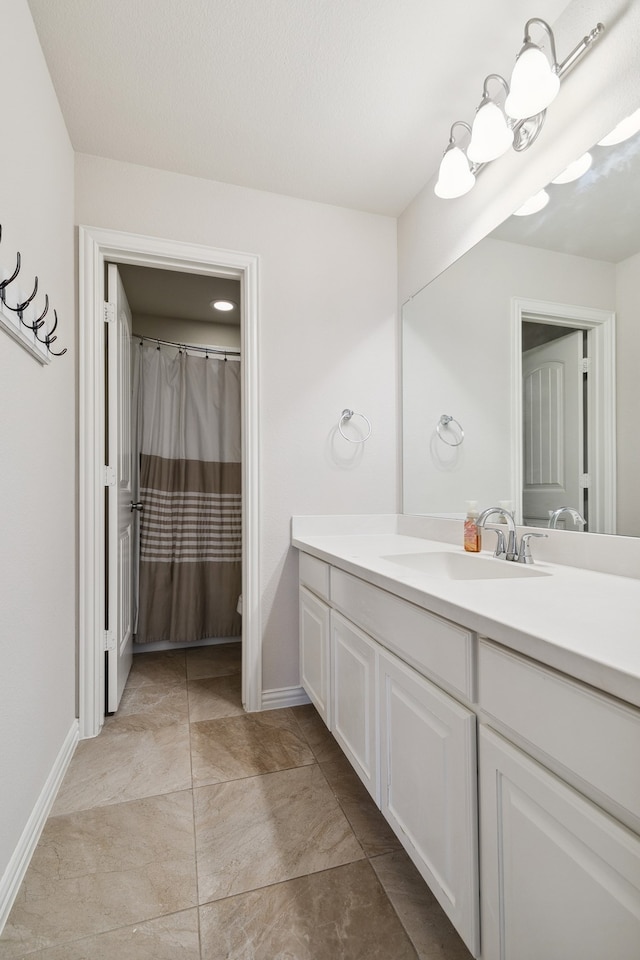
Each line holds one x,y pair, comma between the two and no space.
230,353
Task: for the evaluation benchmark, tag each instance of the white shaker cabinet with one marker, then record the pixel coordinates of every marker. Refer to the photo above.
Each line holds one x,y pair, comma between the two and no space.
314,652
354,721
428,775
560,878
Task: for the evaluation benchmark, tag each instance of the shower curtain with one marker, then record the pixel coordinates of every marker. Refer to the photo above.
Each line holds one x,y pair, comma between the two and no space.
187,422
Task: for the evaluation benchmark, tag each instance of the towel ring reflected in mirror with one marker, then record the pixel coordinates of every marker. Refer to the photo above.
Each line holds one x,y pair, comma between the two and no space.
444,423
345,417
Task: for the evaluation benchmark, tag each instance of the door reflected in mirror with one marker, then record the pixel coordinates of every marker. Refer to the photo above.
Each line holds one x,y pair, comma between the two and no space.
544,426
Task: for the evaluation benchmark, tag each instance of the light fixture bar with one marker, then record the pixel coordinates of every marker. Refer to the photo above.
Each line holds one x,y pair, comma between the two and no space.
537,78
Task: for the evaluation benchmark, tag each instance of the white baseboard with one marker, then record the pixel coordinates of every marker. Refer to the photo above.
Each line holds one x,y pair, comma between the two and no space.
283,697
17,866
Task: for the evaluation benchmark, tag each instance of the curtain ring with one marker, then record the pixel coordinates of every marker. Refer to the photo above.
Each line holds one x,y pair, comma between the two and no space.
347,415
445,421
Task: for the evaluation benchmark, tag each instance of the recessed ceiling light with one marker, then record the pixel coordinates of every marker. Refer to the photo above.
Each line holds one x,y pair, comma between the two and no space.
224,305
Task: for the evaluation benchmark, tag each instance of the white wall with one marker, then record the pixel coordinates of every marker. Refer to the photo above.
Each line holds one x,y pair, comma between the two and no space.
327,306
628,394
452,326
37,438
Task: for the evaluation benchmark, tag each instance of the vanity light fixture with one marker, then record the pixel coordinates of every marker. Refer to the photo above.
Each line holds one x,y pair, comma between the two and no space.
535,83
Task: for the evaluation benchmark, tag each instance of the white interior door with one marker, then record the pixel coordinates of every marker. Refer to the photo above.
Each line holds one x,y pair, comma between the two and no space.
120,493
553,428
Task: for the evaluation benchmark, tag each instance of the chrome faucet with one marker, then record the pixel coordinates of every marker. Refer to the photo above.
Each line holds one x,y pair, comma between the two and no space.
511,549
575,515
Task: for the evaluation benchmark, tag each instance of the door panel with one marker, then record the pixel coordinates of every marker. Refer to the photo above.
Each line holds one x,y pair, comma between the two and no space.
120,493
553,428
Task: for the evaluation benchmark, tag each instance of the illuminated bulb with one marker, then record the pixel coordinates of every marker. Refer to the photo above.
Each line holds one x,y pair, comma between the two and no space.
454,177
575,169
533,85
222,305
535,203
625,129
491,136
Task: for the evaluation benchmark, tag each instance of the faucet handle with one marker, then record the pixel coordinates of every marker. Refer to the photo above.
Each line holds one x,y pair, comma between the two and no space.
524,554
501,543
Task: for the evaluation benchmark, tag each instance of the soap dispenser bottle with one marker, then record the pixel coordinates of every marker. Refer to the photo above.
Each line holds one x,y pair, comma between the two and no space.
472,542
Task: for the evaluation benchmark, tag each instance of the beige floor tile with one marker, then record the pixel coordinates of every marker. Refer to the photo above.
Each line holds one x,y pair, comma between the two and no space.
174,937
215,697
370,827
341,914
421,915
166,701
255,832
235,747
315,732
162,666
217,660
135,756
103,869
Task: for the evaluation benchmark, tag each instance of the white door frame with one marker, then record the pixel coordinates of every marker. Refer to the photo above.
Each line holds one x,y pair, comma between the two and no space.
96,247
602,406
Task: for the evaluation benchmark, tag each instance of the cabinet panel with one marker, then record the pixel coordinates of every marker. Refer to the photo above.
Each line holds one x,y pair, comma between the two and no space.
428,788
441,648
560,878
314,651
354,700
591,734
314,574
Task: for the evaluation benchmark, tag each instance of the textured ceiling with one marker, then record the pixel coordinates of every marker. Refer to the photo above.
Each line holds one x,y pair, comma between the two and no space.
341,101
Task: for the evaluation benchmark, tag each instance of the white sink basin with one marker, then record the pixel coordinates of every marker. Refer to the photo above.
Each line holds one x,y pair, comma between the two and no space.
464,566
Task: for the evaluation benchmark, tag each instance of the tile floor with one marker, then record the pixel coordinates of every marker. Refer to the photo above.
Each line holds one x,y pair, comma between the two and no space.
189,830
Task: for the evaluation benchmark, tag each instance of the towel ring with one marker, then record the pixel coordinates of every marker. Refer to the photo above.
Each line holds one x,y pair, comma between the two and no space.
346,415
444,421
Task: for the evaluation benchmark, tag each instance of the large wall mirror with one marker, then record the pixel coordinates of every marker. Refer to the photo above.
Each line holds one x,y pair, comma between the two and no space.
530,343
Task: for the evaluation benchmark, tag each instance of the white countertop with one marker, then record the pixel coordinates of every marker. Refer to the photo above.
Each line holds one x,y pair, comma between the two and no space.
583,623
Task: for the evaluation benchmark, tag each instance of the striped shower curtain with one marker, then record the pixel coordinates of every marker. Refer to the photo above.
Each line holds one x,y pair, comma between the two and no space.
187,420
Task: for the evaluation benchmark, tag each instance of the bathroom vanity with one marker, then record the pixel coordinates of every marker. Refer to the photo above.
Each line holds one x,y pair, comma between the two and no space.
493,714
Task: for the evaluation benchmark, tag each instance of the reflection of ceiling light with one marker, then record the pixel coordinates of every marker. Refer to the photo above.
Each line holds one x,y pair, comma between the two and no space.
535,203
223,305
625,129
575,169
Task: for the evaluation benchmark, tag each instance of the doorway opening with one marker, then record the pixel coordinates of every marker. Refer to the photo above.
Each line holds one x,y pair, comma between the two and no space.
97,249
563,428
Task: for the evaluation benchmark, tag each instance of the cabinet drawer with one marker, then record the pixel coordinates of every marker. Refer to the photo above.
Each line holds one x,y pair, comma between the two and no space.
314,574
592,735
433,646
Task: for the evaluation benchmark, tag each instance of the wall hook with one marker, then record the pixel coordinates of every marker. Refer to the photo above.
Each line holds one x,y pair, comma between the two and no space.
5,283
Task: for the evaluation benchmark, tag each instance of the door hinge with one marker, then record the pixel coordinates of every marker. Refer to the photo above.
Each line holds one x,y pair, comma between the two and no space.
109,313
109,477
585,481
109,640
585,365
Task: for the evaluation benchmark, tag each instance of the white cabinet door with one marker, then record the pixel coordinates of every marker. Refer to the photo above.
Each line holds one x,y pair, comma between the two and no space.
428,785
560,878
314,651
353,701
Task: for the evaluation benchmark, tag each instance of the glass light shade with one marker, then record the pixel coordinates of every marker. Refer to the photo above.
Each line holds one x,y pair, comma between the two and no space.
575,169
625,129
490,134
454,177
533,84
535,203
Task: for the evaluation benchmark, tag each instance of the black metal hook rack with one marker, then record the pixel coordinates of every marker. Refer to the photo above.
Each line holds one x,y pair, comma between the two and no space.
38,325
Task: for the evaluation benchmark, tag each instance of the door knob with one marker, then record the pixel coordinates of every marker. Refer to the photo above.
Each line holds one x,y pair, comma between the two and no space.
137,505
